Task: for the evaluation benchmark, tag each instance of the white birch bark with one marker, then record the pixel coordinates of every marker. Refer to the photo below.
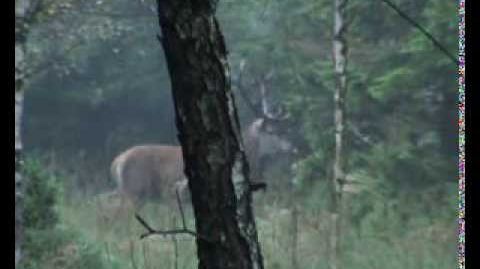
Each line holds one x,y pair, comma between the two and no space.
340,64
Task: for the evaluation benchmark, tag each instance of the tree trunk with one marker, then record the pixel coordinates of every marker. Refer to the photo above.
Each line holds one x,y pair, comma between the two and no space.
24,13
206,118
18,177
340,64
20,30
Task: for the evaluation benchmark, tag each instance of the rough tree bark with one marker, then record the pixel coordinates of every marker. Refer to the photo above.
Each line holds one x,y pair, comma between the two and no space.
24,14
206,118
340,65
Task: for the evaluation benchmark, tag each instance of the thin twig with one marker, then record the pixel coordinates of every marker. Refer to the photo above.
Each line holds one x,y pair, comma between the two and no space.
184,230
150,231
175,247
144,224
180,207
423,30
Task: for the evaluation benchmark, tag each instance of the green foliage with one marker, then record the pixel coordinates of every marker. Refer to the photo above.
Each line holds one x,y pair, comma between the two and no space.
41,194
48,244
61,248
398,226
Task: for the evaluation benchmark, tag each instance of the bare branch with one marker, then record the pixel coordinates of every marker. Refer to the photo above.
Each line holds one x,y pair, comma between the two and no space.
180,207
150,231
184,230
421,29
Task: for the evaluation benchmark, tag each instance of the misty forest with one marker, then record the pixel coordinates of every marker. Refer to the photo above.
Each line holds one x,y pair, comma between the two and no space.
236,134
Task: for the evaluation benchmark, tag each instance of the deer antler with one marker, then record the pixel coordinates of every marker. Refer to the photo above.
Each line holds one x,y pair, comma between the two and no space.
277,112
242,91
261,109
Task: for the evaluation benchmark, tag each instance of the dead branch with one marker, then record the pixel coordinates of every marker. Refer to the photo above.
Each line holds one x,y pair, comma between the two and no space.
183,230
150,231
427,34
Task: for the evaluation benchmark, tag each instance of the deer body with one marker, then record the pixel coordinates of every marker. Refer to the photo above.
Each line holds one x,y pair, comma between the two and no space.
156,171
148,171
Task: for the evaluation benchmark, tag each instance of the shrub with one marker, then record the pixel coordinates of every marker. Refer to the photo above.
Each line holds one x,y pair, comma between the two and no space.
48,244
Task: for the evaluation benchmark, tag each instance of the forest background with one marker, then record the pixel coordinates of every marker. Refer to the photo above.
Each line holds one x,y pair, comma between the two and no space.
98,84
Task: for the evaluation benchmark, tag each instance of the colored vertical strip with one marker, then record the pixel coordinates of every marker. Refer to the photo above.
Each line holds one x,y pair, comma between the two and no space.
461,125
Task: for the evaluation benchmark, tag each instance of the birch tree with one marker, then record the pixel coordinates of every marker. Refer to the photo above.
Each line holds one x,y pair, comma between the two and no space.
340,65
24,15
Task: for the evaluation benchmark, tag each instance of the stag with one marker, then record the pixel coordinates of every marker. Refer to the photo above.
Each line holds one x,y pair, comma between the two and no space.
157,171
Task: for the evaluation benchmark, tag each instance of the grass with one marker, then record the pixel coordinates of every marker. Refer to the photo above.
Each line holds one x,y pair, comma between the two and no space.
429,244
